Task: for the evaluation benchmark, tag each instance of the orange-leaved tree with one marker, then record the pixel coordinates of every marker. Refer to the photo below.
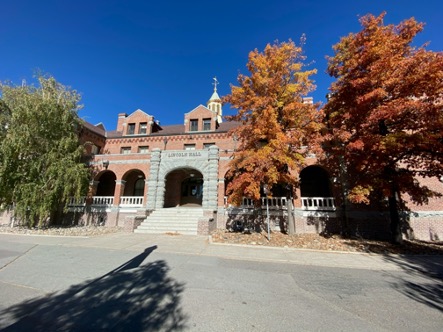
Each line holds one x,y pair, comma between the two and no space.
278,126
384,115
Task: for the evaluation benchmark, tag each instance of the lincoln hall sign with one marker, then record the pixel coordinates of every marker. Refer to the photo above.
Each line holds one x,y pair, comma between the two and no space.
185,154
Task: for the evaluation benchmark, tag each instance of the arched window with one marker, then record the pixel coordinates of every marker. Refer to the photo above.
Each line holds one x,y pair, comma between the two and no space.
139,187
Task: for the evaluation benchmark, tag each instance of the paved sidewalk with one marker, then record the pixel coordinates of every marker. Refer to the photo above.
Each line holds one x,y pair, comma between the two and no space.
202,245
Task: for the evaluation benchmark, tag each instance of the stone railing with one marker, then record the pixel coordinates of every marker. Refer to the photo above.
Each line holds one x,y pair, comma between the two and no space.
125,201
102,200
131,201
77,202
273,202
318,203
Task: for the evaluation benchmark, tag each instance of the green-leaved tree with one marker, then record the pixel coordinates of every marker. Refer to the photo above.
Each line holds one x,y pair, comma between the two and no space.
40,153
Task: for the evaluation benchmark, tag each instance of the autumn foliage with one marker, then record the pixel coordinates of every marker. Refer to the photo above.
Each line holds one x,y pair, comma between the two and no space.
278,126
384,114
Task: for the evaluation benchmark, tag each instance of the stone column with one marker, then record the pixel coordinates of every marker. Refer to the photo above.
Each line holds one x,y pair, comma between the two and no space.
210,195
153,179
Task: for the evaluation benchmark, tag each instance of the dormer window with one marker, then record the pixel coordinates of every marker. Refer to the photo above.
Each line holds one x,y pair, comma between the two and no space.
193,125
143,128
131,129
206,124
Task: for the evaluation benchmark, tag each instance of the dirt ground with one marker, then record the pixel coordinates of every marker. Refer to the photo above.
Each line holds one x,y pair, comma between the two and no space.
330,243
61,231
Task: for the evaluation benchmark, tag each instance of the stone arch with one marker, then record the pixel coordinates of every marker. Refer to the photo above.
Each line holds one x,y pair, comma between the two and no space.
167,167
183,187
205,162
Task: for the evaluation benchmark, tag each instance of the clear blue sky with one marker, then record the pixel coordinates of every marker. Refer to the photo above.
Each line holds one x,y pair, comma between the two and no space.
161,56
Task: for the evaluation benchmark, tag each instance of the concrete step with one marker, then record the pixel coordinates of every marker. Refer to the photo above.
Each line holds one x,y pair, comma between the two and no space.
172,226
147,231
171,220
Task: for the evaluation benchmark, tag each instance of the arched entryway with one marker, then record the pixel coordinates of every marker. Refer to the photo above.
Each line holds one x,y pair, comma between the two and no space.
184,187
106,184
314,182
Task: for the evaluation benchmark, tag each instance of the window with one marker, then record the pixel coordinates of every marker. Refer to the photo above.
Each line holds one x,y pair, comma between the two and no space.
193,125
139,187
207,145
206,124
189,146
131,129
125,150
143,149
143,128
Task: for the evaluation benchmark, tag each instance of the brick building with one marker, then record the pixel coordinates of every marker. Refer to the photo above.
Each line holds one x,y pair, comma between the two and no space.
155,178
172,178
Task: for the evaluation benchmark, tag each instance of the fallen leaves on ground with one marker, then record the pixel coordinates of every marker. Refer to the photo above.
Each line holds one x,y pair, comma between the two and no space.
327,243
61,231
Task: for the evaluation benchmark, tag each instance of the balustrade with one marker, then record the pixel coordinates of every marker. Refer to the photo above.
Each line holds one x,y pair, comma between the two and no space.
308,203
81,201
318,203
125,201
273,202
131,201
102,200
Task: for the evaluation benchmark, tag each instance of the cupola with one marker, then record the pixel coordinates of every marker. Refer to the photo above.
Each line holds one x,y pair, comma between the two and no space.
215,103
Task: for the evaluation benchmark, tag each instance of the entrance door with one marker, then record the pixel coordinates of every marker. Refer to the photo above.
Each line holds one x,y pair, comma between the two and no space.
192,191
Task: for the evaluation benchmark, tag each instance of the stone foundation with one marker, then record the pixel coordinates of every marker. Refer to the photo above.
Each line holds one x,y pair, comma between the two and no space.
426,226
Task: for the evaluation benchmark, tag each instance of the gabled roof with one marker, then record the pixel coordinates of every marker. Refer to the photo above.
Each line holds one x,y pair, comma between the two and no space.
138,111
98,129
199,107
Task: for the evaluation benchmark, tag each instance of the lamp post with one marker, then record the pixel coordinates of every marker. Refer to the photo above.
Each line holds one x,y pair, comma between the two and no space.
266,191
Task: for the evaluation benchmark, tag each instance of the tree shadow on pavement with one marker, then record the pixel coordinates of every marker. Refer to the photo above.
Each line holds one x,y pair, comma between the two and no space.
132,297
424,278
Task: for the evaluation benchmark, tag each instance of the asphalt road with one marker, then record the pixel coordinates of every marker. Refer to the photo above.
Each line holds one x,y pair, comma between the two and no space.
158,283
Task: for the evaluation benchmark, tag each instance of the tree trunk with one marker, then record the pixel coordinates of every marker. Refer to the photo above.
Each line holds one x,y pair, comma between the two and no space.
395,220
396,236
291,223
344,220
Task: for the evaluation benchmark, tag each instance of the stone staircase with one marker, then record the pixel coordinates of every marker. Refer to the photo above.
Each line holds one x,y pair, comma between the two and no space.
180,220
